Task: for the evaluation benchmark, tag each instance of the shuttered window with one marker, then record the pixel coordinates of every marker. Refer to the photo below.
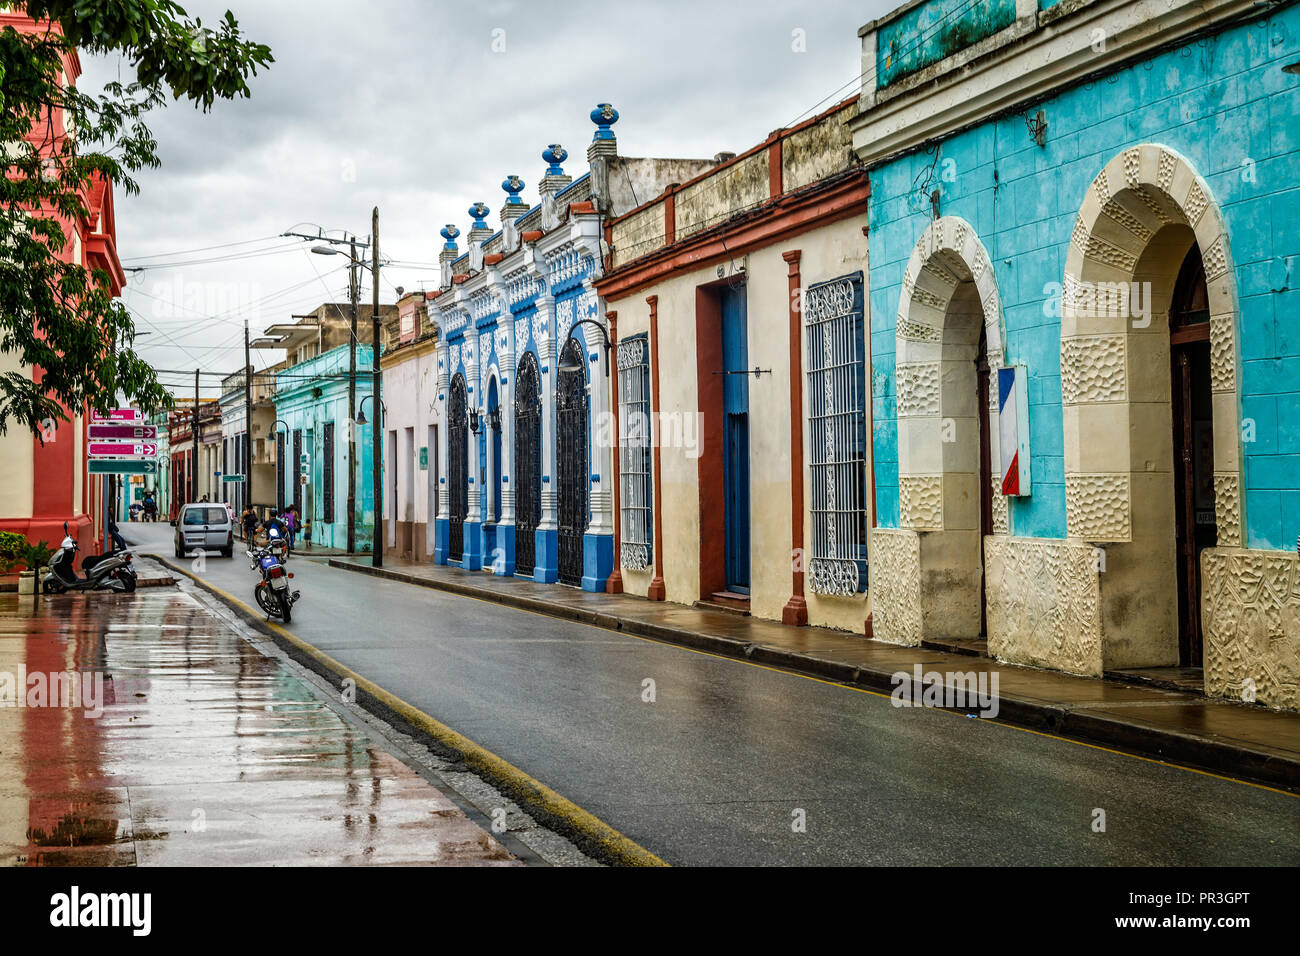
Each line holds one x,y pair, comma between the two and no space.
837,435
635,490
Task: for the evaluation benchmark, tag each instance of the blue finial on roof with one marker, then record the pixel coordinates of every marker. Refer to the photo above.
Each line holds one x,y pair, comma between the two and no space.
513,186
449,232
604,116
479,211
555,154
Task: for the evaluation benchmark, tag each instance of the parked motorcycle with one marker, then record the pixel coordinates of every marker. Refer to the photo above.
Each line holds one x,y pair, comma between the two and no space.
273,593
103,572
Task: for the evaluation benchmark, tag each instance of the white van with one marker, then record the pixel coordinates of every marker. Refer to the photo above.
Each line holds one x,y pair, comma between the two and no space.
206,527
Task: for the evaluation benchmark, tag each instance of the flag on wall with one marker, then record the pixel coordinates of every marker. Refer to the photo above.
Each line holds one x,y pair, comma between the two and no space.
1013,430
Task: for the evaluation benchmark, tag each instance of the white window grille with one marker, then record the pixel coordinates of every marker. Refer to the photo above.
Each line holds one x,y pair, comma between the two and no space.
837,430
635,501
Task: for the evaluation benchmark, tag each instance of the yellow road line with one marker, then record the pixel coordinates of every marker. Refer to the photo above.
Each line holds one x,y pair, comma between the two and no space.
524,789
833,683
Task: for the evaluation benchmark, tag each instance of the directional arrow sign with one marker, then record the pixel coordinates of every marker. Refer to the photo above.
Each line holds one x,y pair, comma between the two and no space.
118,415
121,449
128,432
115,466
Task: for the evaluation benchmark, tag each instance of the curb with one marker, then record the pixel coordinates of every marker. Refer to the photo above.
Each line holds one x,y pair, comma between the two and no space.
1195,752
591,834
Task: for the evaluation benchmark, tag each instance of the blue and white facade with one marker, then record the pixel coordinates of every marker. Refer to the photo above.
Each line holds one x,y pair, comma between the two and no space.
516,497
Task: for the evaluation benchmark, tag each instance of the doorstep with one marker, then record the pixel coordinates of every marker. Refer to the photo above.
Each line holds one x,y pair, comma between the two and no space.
1162,723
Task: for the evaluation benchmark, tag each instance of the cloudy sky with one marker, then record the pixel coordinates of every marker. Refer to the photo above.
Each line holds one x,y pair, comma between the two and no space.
422,108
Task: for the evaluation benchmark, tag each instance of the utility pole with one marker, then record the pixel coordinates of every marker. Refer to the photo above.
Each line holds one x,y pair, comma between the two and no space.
354,293
248,424
376,432
194,455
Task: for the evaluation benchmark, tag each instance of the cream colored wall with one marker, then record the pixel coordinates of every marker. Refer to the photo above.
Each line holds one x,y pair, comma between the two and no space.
827,252
17,458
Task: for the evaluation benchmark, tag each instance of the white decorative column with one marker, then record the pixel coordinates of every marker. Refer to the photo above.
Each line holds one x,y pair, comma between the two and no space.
601,415
544,334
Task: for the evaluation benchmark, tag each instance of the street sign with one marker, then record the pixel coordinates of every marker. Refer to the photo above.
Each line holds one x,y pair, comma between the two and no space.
424,458
304,470
127,432
118,415
122,449
232,477
116,466
304,458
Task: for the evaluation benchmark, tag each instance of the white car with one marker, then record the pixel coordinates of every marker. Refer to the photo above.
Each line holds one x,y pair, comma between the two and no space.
204,527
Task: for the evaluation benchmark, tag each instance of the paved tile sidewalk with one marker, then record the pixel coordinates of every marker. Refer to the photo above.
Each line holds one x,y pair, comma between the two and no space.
206,752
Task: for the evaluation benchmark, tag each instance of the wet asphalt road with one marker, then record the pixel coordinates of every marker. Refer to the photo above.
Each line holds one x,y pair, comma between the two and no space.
717,769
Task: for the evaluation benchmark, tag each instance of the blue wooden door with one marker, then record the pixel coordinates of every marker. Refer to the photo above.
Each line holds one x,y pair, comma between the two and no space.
735,415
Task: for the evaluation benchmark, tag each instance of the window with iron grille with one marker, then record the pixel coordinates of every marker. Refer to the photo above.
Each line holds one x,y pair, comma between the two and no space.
837,435
635,490
327,466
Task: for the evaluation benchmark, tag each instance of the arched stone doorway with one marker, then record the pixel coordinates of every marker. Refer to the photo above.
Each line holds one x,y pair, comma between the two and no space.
457,467
1147,219
928,575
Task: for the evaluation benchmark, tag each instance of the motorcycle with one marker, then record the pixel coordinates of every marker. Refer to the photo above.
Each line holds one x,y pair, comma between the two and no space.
103,572
273,593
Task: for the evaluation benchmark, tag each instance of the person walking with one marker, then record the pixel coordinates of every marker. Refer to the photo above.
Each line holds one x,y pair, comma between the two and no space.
150,507
248,521
291,522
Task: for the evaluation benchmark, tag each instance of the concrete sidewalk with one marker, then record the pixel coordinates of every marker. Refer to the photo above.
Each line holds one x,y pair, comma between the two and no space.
203,751
1237,740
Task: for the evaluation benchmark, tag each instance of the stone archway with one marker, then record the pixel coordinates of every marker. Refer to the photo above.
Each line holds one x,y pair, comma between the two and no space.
928,573
1140,217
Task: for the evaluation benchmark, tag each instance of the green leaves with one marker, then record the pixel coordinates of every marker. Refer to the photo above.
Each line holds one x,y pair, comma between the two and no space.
57,317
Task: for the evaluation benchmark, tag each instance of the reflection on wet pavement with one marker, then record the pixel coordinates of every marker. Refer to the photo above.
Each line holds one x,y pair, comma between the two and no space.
206,751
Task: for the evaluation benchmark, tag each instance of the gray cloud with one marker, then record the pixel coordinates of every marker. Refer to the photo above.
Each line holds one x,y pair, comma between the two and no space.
405,105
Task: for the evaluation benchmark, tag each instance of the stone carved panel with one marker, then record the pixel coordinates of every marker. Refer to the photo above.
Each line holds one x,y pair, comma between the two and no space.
918,389
1250,615
1094,368
918,332
1223,355
920,502
1001,511
1098,507
1044,603
896,586
1216,260
1227,508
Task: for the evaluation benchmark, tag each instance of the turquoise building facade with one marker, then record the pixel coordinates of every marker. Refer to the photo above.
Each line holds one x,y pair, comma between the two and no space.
312,420
1112,205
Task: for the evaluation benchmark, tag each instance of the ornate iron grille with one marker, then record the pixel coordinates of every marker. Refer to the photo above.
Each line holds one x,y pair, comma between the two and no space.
571,462
528,463
837,435
457,468
635,501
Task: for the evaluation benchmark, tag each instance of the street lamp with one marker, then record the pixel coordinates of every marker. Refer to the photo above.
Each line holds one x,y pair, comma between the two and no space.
376,549
361,410
605,344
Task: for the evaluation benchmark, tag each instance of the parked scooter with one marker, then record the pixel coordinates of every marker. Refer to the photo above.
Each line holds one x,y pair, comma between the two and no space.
103,572
273,594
